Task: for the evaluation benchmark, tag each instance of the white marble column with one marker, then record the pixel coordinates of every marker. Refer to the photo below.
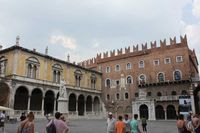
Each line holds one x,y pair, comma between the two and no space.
165,110
192,98
29,102
42,106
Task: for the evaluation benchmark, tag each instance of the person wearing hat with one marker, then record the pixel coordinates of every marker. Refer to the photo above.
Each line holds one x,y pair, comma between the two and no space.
110,123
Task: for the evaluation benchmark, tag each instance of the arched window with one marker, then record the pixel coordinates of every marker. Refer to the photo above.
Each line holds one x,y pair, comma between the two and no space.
78,75
128,66
117,68
107,69
126,95
108,97
108,83
161,77
142,79
57,70
141,64
32,67
148,94
159,94
117,96
184,92
177,75
129,80
173,93
93,79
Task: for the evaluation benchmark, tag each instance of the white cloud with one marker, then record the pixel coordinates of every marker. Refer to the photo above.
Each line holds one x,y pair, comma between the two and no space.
196,8
193,32
67,42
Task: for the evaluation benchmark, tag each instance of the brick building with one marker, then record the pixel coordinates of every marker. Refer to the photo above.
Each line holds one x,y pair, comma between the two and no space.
148,81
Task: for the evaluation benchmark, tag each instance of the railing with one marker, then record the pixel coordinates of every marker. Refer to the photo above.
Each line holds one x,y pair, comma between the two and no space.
167,98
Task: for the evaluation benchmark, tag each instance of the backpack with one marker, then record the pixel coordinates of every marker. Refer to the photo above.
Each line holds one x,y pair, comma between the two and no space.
51,128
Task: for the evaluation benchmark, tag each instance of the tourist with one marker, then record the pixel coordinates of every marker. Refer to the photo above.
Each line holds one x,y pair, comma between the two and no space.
2,120
144,124
134,125
60,125
180,124
23,116
27,126
120,125
110,123
127,123
196,123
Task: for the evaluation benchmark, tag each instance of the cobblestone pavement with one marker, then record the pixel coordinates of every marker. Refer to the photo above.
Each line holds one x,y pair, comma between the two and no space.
97,126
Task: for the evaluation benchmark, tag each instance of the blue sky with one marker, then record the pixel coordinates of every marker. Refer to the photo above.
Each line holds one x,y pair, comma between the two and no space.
85,28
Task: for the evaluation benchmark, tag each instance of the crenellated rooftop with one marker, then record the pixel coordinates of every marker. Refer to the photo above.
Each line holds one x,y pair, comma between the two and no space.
134,50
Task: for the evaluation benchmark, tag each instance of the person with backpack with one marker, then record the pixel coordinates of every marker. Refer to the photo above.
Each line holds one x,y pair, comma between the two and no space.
2,120
57,125
27,126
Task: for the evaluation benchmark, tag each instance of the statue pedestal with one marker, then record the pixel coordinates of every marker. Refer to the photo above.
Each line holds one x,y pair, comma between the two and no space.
63,106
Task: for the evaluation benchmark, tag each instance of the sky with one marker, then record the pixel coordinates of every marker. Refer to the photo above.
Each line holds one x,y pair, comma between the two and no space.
84,28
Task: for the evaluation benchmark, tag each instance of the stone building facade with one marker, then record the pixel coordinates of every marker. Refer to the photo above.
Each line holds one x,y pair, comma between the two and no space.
30,81
148,81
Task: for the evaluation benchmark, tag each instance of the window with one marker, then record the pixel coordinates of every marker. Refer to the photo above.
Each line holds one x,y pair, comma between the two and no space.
117,83
173,93
156,62
117,68
108,83
107,69
142,79
128,66
2,65
161,77
141,64
78,76
136,94
159,94
32,66
57,70
184,92
126,95
148,94
167,60
179,58
129,80
177,75
93,79
117,96
108,97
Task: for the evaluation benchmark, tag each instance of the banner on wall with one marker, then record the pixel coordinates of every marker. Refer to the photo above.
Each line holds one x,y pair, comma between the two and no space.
184,104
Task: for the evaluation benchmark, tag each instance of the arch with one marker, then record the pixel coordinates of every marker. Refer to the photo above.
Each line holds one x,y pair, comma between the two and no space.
107,82
160,113
142,79
161,77
57,66
126,96
72,102
96,104
21,98
129,79
159,94
117,67
81,105
173,93
184,92
177,74
144,111
128,66
117,96
89,104
33,60
49,102
5,94
36,100
171,112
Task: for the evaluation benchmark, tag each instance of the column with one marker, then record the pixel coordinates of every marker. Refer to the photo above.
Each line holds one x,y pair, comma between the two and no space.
55,105
165,114
29,101
77,107
192,99
84,108
42,105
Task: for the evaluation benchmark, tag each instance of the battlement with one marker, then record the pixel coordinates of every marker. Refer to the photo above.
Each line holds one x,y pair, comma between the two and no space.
135,49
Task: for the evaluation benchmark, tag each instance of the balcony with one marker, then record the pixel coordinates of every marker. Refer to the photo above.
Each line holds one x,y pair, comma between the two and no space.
168,98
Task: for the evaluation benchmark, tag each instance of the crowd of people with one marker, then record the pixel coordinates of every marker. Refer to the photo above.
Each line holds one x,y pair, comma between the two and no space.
190,124
125,125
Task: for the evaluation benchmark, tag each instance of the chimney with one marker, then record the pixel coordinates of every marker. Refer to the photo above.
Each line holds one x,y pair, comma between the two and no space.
17,40
46,50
